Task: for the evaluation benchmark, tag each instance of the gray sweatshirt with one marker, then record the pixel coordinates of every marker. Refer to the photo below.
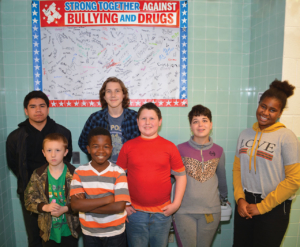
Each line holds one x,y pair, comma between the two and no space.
205,168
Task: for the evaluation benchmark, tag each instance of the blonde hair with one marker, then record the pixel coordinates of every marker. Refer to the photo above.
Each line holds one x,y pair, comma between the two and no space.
56,137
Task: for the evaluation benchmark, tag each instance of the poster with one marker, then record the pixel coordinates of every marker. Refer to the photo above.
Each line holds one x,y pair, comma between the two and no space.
77,45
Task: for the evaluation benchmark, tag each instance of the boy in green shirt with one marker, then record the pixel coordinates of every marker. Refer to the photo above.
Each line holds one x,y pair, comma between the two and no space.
47,194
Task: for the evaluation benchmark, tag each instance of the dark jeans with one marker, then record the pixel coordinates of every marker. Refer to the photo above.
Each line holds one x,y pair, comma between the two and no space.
115,241
32,229
262,230
69,241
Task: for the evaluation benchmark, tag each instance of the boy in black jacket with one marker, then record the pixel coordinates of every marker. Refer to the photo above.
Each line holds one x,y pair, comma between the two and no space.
24,151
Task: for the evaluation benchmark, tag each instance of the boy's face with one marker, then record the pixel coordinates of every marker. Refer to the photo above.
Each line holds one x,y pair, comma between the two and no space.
54,151
37,110
114,94
201,126
100,149
148,124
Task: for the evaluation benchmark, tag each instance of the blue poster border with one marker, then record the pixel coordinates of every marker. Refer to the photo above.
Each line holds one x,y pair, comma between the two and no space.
183,49
183,27
36,46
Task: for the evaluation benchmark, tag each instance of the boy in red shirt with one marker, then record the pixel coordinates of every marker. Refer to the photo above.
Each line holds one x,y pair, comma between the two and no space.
150,160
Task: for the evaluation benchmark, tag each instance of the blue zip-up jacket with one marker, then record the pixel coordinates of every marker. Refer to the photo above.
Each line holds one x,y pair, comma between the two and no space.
129,126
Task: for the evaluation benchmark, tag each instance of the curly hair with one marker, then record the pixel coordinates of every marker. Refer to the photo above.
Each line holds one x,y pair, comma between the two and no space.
280,90
198,110
97,132
125,102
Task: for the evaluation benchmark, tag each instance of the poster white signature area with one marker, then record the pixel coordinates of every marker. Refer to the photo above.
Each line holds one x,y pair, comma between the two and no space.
72,61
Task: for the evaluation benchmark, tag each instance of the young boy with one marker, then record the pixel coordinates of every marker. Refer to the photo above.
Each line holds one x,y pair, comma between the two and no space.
24,152
99,191
47,194
114,116
150,160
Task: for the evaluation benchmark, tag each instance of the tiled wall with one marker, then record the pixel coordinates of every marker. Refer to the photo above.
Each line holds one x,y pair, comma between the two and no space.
266,49
7,236
226,49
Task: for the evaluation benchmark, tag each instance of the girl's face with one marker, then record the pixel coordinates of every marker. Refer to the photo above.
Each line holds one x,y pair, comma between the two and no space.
268,111
201,127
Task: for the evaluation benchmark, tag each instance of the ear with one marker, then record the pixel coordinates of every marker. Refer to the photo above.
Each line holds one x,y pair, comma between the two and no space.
66,152
43,152
211,125
88,149
26,111
280,114
160,121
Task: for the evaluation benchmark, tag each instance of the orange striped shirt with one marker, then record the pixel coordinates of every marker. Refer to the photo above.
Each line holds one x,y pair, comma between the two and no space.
111,181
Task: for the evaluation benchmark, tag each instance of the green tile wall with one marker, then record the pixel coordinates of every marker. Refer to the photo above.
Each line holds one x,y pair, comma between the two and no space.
7,236
235,50
266,49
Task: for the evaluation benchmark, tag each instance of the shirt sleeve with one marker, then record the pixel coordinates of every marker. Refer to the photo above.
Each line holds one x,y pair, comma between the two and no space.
32,195
70,148
221,173
11,154
121,188
284,190
290,149
237,180
123,158
82,141
290,152
76,185
238,191
177,167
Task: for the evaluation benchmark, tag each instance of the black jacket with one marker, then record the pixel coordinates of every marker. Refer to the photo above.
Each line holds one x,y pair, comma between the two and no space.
16,152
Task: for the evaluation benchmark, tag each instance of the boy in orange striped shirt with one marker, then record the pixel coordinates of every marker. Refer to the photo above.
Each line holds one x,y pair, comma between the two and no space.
99,191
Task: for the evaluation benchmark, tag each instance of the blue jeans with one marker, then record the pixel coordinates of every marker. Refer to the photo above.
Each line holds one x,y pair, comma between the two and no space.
148,228
115,241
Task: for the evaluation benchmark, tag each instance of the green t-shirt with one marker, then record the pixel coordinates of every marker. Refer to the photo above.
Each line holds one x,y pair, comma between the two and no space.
59,226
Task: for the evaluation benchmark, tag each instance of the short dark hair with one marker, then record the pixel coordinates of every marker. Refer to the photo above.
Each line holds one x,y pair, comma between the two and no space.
279,90
56,137
125,102
149,106
198,110
97,132
34,95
